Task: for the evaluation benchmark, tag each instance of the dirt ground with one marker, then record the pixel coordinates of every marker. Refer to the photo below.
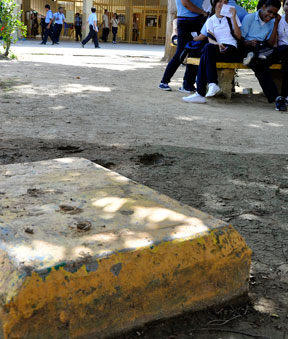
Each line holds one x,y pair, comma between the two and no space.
227,159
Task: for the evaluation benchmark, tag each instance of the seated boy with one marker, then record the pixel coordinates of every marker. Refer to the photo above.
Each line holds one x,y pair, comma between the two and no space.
258,28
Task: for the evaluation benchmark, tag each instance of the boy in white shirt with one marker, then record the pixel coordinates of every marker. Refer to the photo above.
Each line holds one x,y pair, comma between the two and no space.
93,29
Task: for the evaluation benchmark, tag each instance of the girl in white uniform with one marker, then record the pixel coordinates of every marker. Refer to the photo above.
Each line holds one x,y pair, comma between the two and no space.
222,46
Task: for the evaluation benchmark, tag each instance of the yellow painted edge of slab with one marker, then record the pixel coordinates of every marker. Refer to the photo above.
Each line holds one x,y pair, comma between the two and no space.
152,283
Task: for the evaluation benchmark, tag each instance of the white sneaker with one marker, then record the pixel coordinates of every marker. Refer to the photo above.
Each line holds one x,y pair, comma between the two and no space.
213,89
183,90
262,56
195,98
247,60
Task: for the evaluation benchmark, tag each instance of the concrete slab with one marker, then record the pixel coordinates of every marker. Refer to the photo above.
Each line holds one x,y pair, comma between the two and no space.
85,251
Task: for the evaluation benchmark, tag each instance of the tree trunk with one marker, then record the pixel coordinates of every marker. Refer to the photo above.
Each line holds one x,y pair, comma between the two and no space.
171,15
7,49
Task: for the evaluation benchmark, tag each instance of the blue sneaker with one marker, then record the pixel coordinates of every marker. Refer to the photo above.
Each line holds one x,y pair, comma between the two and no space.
164,87
280,103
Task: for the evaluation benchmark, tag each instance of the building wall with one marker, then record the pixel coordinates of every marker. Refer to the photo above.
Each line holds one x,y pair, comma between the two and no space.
141,20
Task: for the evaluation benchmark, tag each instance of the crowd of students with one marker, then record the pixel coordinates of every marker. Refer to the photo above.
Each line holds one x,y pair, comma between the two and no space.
53,23
257,39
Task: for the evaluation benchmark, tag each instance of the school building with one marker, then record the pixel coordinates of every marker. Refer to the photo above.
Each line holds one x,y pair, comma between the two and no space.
142,21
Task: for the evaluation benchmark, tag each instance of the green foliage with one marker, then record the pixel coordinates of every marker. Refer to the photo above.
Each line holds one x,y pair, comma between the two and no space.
10,21
249,5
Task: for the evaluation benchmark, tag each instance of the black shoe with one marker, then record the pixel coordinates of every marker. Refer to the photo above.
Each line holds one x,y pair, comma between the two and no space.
97,47
43,43
280,103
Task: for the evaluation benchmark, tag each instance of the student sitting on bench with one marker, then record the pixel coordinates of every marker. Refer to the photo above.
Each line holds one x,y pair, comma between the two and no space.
259,31
223,33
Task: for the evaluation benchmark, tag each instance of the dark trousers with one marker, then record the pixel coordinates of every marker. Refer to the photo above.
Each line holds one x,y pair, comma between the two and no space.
282,55
92,35
57,31
105,33
78,32
48,32
114,32
184,27
207,71
263,74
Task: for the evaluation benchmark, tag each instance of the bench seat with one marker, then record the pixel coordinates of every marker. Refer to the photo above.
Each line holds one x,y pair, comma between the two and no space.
226,73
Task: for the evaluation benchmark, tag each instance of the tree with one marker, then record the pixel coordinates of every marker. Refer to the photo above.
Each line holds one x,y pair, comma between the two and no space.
10,21
250,5
171,15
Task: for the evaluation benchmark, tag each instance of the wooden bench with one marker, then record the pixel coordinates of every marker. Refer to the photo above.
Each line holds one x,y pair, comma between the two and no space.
226,73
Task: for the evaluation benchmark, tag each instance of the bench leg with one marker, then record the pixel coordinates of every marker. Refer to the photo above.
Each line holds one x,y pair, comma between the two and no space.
225,79
277,76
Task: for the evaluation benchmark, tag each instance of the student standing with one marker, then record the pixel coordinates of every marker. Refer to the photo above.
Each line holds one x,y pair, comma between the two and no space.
48,26
78,27
114,25
261,28
105,26
59,20
222,46
190,18
93,29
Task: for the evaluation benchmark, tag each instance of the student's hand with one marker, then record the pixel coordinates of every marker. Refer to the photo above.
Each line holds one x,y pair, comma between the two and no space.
252,43
277,18
233,12
222,48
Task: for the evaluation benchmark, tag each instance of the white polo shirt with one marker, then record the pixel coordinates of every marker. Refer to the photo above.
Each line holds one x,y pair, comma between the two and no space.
92,17
283,32
105,20
219,27
59,18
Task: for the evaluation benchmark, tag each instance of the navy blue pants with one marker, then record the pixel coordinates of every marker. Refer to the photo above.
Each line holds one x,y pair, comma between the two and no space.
92,35
48,32
114,31
264,76
57,31
184,27
282,55
207,71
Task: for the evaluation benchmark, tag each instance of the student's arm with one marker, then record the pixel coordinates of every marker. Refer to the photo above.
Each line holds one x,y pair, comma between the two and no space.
193,8
245,29
200,37
273,36
236,27
50,22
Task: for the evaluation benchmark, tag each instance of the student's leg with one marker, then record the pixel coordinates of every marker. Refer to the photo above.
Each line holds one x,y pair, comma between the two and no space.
56,32
89,36
184,35
46,32
95,39
51,34
191,70
283,55
266,82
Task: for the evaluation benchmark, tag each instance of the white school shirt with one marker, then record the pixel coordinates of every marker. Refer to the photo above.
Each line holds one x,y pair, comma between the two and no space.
59,18
92,17
283,32
105,20
114,22
49,16
219,27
